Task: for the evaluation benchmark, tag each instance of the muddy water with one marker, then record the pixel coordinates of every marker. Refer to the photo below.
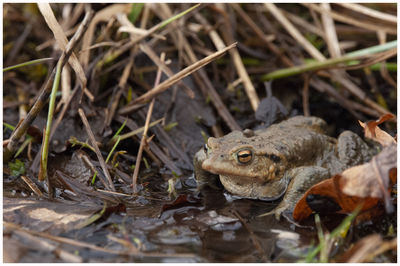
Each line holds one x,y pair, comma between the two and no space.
194,226
209,226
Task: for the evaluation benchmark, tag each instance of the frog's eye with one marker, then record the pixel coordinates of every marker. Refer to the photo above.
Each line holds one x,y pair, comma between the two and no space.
244,156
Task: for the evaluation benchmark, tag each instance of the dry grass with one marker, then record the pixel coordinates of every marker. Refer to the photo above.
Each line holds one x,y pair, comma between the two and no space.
226,49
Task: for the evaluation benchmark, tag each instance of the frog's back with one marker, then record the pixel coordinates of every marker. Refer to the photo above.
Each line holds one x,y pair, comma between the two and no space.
301,140
308,122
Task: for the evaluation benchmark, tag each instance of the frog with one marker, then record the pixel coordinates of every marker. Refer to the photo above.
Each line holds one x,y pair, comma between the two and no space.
278,163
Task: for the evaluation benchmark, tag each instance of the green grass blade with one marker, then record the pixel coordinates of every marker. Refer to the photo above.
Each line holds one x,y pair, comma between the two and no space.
119,130
8,126
113,148
173,18
23,146
29,63
139,130
315,65
52,104
374,49
92,218
135,12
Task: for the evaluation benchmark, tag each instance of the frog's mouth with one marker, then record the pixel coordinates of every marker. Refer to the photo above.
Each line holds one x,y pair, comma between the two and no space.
267,191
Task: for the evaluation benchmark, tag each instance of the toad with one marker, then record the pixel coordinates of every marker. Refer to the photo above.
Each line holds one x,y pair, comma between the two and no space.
281,161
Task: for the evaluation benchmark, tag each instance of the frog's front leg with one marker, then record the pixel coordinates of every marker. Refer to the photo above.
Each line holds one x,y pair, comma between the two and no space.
203,177
302,178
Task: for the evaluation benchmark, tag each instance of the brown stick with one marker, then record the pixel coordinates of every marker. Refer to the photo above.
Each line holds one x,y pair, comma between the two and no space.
306,90
146,128
110,184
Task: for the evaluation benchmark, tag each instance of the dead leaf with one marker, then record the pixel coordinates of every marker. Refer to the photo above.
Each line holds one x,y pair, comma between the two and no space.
371,179
372,131
330,189
366,184
50,216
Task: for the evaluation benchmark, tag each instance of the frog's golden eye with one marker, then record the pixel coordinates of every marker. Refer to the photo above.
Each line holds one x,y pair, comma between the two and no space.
244,156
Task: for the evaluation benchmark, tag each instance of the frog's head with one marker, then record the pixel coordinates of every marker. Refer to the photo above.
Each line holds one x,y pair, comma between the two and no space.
245,156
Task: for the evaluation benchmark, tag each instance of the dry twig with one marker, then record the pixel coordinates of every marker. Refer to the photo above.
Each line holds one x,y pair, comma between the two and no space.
146,128
109,184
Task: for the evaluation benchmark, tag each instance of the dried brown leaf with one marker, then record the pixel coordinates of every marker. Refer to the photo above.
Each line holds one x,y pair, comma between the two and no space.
371,179
329,190
372,131
365,185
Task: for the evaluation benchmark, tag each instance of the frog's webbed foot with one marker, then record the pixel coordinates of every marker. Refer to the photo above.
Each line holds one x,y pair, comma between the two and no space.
277,212
205,179
302,179
352,149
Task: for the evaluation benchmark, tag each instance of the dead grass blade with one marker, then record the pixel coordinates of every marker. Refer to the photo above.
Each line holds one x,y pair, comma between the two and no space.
330,32
114,54
146,128
109,184
336,74
32,186
351,21
264,37
304,24
103,15
294,32
62,40
177,77
370,12
65,86
240,68
150,53
123,19
270,45
44,92
383,70
201,78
